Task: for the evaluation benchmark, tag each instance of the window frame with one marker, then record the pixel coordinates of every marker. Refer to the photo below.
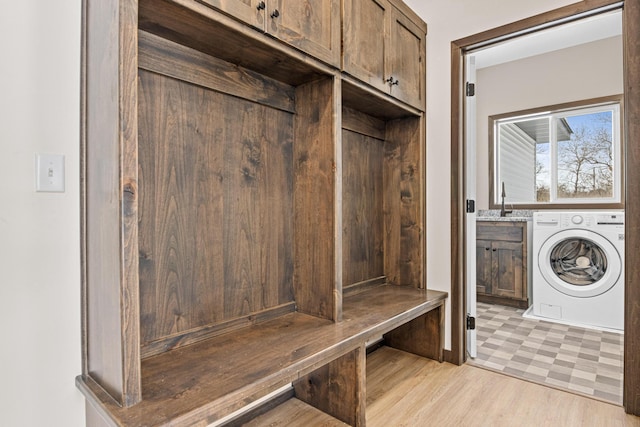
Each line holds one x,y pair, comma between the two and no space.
617,202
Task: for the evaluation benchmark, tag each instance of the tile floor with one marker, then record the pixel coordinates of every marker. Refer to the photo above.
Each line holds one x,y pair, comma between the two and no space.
581,360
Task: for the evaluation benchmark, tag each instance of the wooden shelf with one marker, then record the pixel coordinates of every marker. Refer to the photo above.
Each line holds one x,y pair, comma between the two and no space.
213,378
252,215
294,412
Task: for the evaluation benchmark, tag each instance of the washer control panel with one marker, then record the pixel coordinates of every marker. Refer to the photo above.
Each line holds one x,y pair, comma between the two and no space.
591,219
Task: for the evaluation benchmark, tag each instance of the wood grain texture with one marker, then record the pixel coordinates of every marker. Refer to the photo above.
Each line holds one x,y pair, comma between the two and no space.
417,335
245,10
362,207
392,211
173,60
196,25
294,412
130,295
361,97
406,60
364,44
210,379
215,211
362,123
110,199
409,193
404,389
501,263
315,172
408,390
457,353
631,16
337,388
391,60
312,26
501,230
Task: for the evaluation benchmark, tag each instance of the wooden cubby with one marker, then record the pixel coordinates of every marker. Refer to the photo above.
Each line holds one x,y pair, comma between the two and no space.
252,217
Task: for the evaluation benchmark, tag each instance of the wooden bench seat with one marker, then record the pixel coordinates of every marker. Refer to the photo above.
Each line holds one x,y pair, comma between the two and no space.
204,382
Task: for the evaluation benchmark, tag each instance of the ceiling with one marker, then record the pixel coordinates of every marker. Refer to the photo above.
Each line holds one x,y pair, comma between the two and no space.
582,31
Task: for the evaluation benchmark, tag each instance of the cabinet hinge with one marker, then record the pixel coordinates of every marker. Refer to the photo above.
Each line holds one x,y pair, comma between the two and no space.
470,89
471,322
471,206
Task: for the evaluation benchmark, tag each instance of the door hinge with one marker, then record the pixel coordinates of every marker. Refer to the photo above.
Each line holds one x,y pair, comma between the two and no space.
471,206
470,89
471,323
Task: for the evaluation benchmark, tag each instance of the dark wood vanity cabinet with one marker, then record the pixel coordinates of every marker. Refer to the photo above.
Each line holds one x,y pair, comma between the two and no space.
501,260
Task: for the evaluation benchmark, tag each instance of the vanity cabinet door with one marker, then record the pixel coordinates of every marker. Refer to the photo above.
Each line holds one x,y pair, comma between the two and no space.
484,276
501,263
506,261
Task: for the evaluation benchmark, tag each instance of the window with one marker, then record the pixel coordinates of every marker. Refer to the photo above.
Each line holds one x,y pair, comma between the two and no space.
562,155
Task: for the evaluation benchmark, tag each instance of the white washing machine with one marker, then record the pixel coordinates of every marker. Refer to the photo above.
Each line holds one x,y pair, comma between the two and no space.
578,268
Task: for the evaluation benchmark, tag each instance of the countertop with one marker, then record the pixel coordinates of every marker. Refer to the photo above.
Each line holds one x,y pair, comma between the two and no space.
494,215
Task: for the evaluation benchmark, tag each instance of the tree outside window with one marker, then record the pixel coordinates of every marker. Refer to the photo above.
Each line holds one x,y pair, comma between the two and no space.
563,155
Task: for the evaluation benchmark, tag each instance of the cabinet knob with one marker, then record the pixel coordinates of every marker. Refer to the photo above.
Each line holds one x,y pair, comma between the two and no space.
486,249
494,249
275,14
261,6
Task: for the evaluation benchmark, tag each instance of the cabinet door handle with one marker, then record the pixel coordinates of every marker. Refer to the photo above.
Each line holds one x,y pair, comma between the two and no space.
392,82
494,249
261,6
275,14
486,249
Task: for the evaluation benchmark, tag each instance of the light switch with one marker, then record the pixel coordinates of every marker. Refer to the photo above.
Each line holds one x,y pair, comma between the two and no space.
50,173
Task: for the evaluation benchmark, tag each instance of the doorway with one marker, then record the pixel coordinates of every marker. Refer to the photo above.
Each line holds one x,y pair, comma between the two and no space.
579,61
631,14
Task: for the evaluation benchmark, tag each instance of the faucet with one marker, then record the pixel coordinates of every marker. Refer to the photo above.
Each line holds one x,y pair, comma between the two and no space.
504,212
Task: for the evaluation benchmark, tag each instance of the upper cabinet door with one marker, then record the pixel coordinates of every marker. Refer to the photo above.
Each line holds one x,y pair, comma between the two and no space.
309,25
364,40
405,59
251,12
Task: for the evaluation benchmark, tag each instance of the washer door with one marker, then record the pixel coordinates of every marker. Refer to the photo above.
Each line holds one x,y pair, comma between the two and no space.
579,263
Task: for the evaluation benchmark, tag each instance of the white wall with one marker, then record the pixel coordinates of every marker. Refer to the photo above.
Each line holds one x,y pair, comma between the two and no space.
582,72
39,232
447,21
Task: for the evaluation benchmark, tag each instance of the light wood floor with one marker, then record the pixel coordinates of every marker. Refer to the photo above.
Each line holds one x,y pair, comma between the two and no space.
406,390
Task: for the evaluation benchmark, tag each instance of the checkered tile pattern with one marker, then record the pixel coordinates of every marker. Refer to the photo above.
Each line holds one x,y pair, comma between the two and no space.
581,360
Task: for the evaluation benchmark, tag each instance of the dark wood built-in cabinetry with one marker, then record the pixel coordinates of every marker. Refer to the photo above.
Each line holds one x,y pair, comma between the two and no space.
384,48
313,27
501,257
253,216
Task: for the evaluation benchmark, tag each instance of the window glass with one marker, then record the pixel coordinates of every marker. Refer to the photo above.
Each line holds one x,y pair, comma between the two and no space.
566,156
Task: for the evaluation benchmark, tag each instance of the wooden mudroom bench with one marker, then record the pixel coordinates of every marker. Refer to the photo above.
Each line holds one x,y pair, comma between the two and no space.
325,361
253,205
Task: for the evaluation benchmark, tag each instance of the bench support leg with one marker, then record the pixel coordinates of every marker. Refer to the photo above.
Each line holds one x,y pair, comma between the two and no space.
423,335
337,388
